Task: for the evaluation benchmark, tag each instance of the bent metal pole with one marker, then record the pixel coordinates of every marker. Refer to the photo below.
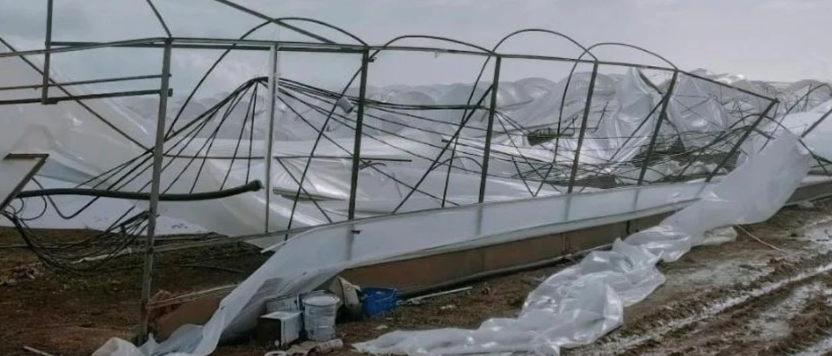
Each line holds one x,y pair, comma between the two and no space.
158,154
267,180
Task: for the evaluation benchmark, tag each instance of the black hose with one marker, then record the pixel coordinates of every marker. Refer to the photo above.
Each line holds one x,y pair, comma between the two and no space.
252,186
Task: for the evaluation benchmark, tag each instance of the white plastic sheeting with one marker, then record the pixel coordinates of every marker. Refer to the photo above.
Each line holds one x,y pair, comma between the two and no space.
815,126
83,145
696,112
582,303
14,171
573,307
84,142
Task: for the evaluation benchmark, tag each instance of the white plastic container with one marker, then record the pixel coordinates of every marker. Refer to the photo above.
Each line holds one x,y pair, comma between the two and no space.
319,311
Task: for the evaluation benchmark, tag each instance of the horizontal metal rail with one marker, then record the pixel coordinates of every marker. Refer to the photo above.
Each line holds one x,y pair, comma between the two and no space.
53,100
84,82
308,47
230,239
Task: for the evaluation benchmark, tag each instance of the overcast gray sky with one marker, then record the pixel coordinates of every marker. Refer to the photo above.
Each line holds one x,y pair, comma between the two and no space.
781,40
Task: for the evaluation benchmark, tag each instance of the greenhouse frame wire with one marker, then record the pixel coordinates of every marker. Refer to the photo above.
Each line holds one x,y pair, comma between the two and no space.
368,55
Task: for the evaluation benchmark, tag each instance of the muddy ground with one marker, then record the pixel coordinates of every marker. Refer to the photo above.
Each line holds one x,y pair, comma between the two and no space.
739,298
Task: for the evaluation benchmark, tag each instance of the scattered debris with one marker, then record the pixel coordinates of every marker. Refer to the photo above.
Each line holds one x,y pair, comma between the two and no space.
125,252
29,271
161,295
8,281
760,240
310,347
806,205
328,346
36,351
279,329
382,327
218,268
421,299
20,272
534,281
448,307
349,295
301,349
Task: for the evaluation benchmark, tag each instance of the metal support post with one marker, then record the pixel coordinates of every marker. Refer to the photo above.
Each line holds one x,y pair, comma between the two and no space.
359,124
486,155
741,140
44,99
272,100
662,117
158,154
574,174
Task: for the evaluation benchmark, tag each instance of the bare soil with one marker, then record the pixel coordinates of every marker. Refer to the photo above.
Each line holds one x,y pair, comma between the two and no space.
69,314
739,298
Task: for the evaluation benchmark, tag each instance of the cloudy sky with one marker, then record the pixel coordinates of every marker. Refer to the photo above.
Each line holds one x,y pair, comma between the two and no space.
779,40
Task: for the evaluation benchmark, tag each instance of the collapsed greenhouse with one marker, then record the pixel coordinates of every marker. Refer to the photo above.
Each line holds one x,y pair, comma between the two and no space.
374,182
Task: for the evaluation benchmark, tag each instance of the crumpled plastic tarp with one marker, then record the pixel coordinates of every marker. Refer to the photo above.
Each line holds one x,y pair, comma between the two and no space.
584,302
82,146
573,307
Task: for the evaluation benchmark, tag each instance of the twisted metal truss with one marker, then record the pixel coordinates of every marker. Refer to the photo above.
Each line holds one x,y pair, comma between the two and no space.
484,139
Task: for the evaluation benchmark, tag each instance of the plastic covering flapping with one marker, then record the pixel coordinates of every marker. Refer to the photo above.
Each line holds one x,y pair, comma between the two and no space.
813,126
582,303
572,307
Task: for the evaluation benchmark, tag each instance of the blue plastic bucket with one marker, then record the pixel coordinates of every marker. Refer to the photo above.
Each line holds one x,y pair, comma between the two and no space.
378,301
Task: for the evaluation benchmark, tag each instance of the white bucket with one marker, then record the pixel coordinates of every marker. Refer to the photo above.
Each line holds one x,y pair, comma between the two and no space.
319,313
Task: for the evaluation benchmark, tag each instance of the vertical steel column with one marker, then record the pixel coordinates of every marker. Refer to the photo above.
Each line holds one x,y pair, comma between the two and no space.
47,56
359,124
486,155
573,175
742,139
662,117
158,153
273,83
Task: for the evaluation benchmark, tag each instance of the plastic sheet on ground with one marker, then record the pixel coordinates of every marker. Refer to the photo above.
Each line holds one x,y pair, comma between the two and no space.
582,303
572,307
